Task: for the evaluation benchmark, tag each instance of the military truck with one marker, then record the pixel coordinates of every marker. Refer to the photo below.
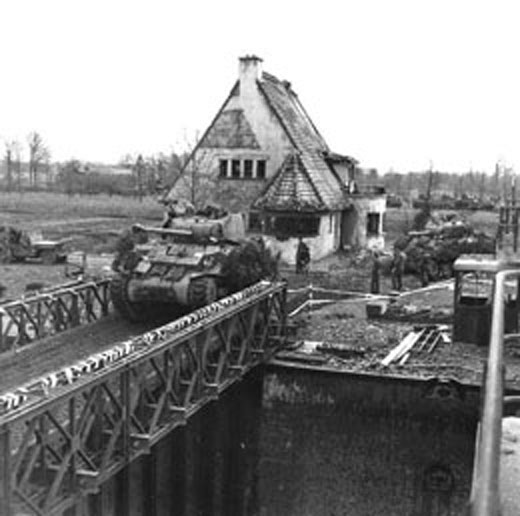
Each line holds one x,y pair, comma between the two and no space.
17,246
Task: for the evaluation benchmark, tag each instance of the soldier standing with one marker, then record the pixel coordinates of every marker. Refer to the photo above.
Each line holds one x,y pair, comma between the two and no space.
374,281
303,257
398,269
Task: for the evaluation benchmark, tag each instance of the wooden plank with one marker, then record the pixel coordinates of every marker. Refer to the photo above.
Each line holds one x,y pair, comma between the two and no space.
404,346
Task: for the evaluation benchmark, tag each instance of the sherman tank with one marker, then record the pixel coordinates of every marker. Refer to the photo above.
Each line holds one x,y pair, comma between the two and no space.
164,272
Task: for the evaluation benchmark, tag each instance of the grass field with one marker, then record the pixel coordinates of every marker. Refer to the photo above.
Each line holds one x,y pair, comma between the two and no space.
45,205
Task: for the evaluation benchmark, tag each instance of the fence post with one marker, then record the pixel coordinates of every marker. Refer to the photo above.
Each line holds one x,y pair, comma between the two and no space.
311,298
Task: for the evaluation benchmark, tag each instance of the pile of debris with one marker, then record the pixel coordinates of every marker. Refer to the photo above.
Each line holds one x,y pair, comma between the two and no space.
421,339
410,313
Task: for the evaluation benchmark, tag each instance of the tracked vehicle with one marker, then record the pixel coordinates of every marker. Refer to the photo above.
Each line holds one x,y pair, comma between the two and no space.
183,267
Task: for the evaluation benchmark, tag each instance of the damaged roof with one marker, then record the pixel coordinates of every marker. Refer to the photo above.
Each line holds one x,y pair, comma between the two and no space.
317,183
291,189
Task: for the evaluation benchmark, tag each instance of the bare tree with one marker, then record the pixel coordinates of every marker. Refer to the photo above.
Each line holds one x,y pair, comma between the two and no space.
8,166
139,171
193,183
14,158
38,155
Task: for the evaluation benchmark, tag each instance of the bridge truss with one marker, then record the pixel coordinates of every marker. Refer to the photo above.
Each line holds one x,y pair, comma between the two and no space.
63,443
34,317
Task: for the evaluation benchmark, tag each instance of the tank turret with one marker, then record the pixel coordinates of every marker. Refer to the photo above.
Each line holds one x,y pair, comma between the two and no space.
193,263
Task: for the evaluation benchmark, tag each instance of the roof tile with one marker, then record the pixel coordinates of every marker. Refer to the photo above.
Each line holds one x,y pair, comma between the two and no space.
306,139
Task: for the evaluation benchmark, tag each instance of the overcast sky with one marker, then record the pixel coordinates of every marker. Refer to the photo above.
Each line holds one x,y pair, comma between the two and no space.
393,83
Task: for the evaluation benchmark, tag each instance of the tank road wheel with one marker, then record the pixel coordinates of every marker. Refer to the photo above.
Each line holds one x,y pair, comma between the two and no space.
132,311
202,292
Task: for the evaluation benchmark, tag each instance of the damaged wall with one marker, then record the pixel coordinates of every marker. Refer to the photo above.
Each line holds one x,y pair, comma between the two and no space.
356,228
321,245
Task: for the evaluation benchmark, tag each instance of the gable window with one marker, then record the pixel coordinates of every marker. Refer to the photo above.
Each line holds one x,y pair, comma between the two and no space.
373,223
260,169
235,169
248,169
222,168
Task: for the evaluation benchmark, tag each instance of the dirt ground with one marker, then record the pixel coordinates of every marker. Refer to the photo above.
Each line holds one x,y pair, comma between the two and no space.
94,225
345,323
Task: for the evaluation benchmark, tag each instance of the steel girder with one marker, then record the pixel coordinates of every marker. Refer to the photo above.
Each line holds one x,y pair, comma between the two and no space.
63,447
32,318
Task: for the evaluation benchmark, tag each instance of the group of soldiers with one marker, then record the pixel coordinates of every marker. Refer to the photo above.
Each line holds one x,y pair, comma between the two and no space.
396,271
303,259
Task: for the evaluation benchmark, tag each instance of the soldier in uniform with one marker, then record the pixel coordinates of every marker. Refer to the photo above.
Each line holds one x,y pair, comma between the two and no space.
303,257
398,269
177,208
374,281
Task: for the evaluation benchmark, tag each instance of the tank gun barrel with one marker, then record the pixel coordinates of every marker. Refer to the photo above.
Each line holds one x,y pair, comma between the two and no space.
162,231
199,232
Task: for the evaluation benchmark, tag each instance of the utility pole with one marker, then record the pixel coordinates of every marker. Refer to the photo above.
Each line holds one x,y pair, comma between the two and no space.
9,169
139,169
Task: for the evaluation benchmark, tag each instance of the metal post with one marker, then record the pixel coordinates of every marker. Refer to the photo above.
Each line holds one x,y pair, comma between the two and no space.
2,343
150,482
486,492
5,472
75,309
105,297
122,485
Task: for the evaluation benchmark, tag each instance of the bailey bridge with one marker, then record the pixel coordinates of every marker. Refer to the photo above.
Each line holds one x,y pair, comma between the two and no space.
64,434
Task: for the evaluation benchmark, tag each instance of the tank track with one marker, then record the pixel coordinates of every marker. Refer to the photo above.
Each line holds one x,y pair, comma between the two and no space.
134,312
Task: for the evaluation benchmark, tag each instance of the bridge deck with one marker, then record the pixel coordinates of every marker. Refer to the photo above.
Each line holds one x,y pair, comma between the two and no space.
57,351
69,432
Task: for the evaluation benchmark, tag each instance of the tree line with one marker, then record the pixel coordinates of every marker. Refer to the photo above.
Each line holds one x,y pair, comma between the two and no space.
29,167
476,184
38,161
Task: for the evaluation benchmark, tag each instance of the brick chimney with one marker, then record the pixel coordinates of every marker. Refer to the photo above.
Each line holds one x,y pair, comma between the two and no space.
249,71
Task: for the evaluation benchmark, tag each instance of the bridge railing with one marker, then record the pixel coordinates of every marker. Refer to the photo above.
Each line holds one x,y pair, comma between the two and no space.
485,496
26,320
63,445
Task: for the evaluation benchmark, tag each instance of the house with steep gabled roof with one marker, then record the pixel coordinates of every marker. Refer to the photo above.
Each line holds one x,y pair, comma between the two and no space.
262,156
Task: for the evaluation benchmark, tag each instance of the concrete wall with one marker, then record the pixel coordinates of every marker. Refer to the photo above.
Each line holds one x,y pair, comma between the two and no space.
355,222
325,243
340,444
297,442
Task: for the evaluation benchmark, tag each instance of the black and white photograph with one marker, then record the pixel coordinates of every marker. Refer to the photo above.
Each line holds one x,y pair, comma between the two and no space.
259,258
